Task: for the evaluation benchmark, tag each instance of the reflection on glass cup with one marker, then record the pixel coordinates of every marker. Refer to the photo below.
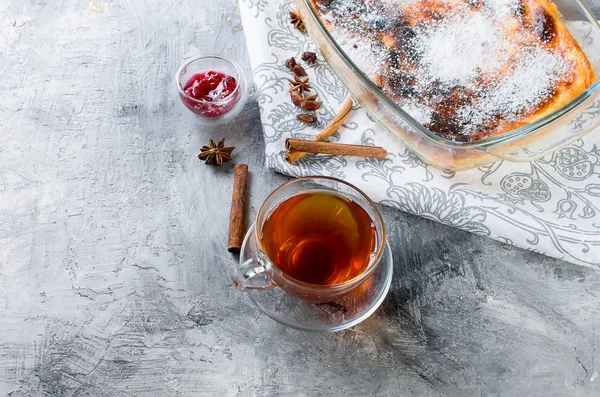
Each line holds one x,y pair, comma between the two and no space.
318,237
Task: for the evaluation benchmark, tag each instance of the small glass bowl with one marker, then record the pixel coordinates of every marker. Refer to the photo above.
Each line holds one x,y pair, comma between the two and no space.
212,112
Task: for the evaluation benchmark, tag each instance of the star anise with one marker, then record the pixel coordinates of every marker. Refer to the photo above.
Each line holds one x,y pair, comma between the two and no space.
216,154
309,57
299,71
297,21
300,85
311,103
290,63
297,99
307,118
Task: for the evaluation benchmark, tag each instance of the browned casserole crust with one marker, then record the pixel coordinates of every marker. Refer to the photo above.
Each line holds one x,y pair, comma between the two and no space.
466,69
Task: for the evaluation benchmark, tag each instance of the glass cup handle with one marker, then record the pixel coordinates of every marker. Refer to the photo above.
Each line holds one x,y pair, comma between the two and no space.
252,275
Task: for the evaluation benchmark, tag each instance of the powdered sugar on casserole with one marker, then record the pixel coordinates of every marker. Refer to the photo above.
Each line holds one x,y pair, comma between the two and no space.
465,69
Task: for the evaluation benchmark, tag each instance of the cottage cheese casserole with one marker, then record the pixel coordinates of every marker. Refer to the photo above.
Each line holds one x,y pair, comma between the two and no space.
465,69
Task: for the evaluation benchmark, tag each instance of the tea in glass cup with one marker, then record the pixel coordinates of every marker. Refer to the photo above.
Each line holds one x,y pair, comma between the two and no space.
319,238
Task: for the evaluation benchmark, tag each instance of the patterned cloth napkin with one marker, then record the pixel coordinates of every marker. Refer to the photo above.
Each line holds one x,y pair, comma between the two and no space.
551,205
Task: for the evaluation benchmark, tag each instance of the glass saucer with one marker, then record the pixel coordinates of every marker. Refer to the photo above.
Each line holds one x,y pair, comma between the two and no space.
343,313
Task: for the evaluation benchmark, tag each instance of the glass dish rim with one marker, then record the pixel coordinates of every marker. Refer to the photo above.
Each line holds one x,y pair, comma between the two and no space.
223,101
492,141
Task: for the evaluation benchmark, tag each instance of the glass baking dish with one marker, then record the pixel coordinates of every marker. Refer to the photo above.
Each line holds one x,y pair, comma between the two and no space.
527,143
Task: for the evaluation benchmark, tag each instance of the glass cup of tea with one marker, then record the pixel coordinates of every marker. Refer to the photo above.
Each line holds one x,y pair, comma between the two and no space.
318,238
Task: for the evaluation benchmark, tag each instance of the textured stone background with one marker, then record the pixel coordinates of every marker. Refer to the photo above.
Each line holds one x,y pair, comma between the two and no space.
114,273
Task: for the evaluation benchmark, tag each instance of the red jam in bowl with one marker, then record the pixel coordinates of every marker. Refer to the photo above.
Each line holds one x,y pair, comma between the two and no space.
211,94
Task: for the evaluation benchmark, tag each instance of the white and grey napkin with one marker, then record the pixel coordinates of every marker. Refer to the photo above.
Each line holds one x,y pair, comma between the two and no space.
551,205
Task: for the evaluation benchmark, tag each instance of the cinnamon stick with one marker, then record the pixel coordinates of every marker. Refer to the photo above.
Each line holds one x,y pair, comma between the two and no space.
337,149
237,216
293,156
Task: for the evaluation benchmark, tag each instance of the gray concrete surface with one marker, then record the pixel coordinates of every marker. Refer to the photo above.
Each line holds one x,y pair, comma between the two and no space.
114,273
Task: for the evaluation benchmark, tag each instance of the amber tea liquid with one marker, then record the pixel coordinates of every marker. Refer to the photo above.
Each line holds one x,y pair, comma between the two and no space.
319,238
